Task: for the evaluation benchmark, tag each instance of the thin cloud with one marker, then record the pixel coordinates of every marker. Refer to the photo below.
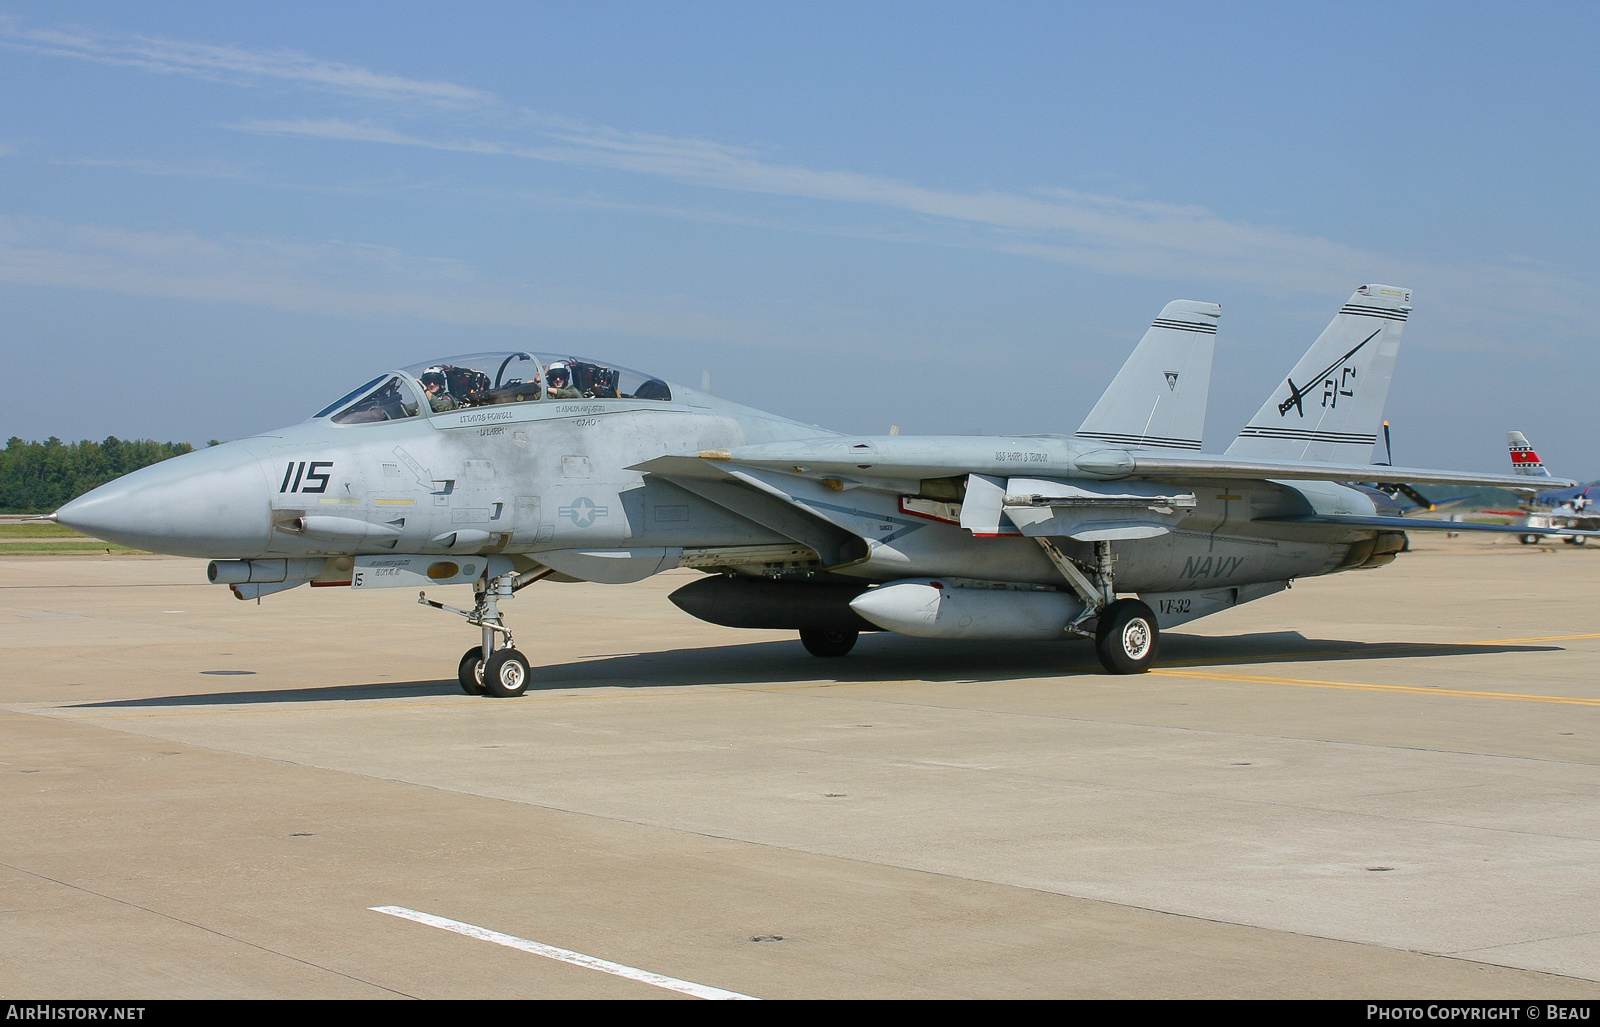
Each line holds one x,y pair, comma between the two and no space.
338,279
157,168
361,132
1105,234
238,65
1101,232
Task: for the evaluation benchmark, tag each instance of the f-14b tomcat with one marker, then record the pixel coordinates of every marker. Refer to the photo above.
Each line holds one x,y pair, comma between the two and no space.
503,469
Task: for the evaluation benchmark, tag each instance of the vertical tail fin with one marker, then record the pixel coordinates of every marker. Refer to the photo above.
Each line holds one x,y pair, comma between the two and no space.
1523,459
1330,407
1158,399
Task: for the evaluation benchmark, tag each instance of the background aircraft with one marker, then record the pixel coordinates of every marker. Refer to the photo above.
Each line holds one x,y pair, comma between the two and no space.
1554,509
504,469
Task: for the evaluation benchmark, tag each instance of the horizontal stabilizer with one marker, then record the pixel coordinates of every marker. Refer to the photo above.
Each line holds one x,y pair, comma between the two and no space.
1419,524
1182,467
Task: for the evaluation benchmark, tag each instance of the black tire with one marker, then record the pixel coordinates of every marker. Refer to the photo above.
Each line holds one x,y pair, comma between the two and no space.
1127,637
1577,540
505,674
1528,540
470,671
828,643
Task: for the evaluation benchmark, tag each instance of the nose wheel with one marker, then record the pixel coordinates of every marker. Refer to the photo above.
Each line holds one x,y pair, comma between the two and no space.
505,674
470,672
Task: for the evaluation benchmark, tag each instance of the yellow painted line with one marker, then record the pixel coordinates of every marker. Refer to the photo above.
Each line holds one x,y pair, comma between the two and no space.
394,502
1524,641
1362,687
1566,700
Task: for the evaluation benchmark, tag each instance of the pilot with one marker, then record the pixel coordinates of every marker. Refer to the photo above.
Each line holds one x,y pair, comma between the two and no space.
558,379
439,398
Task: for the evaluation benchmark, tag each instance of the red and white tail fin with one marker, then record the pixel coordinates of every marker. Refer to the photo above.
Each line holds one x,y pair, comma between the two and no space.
1523,459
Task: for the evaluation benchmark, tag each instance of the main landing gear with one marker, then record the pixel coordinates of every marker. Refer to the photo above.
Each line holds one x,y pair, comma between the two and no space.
828,643
1125,637
1126,634
491,668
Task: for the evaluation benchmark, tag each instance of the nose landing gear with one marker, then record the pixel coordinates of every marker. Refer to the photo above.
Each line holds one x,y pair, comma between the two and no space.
491,668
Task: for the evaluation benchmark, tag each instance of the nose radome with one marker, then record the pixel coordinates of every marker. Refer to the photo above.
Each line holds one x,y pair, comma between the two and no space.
213,502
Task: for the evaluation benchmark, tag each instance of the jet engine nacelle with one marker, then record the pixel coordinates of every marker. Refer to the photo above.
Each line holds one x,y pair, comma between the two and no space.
936,608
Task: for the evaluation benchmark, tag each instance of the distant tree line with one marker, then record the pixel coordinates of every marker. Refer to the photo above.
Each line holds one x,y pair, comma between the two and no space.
38,477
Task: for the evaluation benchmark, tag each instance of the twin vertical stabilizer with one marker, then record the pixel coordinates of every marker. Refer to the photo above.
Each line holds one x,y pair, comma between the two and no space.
1158,399
1330,408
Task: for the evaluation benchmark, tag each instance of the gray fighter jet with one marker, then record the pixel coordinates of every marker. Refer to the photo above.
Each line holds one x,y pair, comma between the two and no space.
503,469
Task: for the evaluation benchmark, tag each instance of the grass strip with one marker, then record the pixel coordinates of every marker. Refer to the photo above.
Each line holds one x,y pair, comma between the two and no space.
29,547
37,530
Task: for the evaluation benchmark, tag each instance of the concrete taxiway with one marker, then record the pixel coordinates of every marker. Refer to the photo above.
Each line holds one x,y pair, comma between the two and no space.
1378,784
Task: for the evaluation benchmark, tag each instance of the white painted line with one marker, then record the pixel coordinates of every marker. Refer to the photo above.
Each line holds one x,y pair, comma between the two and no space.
564,955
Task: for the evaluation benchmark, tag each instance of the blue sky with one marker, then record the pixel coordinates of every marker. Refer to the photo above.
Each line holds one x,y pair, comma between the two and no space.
955,218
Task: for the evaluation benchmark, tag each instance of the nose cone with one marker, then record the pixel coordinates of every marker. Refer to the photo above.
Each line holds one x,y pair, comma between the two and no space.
213,502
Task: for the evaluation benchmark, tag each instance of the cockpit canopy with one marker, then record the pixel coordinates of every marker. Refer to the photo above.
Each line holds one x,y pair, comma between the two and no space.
487,379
